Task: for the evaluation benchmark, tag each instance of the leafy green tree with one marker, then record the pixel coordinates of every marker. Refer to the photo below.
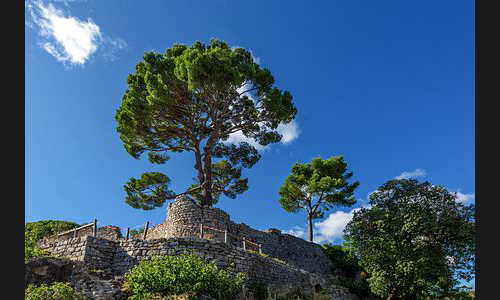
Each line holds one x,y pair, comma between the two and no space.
191,99
323,181
414,241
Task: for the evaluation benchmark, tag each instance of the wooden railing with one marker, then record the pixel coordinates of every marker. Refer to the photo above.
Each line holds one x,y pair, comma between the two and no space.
245,241
75,230
202,228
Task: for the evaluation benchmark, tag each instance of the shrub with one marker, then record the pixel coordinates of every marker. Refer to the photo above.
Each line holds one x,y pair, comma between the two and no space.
361,289
259,290
35,231
55,291
342,258
176,275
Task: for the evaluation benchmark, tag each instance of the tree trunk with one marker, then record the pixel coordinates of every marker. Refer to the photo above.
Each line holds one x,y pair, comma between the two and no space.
309,220
206,187
199,167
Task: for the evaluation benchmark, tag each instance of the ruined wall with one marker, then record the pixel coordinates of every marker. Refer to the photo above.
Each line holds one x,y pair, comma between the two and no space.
117,257
184,217
107,232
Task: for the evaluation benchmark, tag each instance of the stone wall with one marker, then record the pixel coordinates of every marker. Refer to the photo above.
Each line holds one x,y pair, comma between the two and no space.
184,217
117,257
107,232
74,248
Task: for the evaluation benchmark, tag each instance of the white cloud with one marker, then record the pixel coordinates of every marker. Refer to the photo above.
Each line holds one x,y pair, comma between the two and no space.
70,40
329,230
296,231
466,198
256,59
290,132
244,90
332,228
238,137
410,174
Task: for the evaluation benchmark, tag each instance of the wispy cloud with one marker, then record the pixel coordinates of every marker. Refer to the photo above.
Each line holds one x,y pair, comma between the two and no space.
296,231
330,230
255,58
411,174
465,198
289,132
70,40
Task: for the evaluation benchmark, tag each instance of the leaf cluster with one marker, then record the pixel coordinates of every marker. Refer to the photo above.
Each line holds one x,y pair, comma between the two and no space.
149,191
342,258
326,181
414,237
192,98
35,231
54,291
176,275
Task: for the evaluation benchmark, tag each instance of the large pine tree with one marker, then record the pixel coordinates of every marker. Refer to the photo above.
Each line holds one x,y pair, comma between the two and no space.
192,98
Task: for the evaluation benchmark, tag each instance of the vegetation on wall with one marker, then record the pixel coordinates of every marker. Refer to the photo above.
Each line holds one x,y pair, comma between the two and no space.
54,291
35,231
182,274
347,264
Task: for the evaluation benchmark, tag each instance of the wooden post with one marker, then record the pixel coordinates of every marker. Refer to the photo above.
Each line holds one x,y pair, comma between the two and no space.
244,244
225,236
146,230
201,230
128,232
260,248
95,228
74,234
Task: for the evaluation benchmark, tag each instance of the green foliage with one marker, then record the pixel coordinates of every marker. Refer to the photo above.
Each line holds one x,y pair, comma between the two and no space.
176,275
35,231
54,291
361,289
323,180
191,98
148,192
294,293
135,234
259,290
342,258
415,240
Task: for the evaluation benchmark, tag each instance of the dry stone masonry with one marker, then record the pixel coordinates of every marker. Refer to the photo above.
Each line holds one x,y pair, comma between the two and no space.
184,217
286,262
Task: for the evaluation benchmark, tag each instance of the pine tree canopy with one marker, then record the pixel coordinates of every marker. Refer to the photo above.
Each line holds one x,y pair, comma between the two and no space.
191,99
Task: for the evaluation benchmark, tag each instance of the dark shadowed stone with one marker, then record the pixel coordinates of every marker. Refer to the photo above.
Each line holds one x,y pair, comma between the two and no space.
47,270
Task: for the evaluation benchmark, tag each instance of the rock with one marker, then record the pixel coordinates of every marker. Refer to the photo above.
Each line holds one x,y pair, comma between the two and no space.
47,270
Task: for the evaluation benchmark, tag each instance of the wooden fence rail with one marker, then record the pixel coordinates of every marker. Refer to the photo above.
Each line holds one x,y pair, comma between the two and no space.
201,228
74,230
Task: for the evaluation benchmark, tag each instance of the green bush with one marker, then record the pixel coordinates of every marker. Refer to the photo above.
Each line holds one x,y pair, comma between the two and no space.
55,291
176,275
259,291
35,231
342,258
361,289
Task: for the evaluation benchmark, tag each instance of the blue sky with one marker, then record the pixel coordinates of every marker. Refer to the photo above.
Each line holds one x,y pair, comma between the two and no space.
390,85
